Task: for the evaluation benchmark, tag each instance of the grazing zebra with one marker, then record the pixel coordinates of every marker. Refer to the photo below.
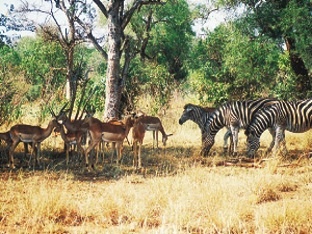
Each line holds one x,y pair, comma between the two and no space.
293,116
200,115
234,115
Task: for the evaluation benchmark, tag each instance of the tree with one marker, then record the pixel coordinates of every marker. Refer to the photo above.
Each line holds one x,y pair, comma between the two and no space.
161,36
288,20
68,36
9,63
43,66
233,64
118,16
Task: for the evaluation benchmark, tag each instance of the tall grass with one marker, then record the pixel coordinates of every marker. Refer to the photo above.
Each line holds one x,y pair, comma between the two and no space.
176,192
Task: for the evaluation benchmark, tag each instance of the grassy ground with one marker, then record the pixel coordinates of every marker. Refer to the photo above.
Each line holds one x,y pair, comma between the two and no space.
177,191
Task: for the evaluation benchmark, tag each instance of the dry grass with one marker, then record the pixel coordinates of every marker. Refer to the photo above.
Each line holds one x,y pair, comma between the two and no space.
176,192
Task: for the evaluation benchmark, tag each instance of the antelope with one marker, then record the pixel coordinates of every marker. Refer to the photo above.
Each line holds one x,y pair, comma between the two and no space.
5,136
141,125
29,134
73,127
101,144
138,134
70,139
108,132
154,124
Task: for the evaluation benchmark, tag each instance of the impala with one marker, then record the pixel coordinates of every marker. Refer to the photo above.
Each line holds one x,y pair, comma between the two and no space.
138,134
70,139
5,136
101,145
73,127
29,134
154,124
140,126
108,132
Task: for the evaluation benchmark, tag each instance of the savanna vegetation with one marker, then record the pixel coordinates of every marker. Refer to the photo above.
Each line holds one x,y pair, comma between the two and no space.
263,49
176,191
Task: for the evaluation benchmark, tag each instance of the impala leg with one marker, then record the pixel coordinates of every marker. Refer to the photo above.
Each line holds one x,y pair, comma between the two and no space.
156,133
37,153
80,150
97,152
139,155
11,151
67,154
119,152
135,153
114,149
25,149
87,151
103,152
33,148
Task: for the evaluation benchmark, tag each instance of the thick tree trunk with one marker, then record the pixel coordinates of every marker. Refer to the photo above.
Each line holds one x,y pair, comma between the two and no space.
114,84
297,64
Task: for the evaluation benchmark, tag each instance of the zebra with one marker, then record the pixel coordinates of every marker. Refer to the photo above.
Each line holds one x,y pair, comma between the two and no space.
234,115
200,115
293,116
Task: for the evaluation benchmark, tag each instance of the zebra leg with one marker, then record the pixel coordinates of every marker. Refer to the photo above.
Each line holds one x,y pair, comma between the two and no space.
225,138
234,131
272,131
207,144
280,137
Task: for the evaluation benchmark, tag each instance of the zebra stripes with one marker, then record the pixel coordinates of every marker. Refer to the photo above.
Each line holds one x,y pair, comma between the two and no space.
293,116
234,115
200,116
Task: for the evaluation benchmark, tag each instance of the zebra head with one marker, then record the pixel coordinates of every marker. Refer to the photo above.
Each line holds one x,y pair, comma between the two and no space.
253,142
187,113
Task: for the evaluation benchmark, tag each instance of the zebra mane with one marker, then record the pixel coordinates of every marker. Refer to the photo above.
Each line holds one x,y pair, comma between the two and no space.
193,106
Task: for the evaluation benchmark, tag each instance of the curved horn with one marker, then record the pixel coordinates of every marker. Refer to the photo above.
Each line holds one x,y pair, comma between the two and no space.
52,112
64,107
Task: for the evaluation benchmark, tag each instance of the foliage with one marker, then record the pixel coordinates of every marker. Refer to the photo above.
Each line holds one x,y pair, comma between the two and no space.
297,23
9,63
286,24
162,36
231,64
43,66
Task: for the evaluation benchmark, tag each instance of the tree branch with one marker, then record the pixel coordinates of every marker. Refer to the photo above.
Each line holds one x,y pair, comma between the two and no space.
137,5
101,7
91,37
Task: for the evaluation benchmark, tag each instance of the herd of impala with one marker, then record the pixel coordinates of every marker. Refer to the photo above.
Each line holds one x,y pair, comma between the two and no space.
74,132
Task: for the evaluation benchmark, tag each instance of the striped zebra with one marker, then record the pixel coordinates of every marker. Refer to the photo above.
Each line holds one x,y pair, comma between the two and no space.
200,115
234,115
293,116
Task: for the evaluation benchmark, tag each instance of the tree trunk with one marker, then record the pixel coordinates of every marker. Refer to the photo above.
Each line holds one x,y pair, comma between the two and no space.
297,64
114,84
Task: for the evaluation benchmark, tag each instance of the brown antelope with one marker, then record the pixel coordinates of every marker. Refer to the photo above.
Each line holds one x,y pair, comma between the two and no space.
70,139
154,124
73,129
5,136
101,145
29,134
142,124
108,132
138,134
